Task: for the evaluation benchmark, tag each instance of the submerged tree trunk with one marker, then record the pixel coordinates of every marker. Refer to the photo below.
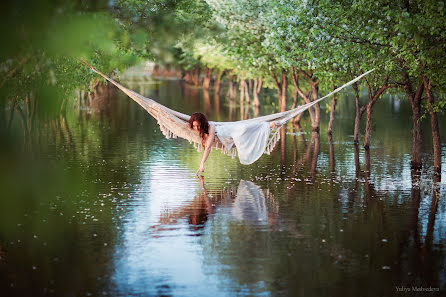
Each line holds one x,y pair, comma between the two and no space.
232,90
317,107
242,91
219,81
246,90
315,111
332,113
256,91
298,92
306,97
207,78
195,76
359,112
415,102
282,88
373,97
436,142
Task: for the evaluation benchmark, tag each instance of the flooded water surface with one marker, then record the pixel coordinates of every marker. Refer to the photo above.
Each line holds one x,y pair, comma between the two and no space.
99,203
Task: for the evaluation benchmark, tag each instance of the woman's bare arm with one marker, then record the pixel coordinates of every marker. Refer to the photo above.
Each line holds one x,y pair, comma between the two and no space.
208,147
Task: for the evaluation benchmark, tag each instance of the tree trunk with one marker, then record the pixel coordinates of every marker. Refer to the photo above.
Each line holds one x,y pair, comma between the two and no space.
332,113
314,90
436,142
359,112
415,103
242,90
368,127
246,91
207,78
373,97
195,76
317,107
233,87
282,87
284,90
219,81
250,85
298,91
256,90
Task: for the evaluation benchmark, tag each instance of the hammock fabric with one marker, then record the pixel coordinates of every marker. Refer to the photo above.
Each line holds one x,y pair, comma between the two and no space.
248,139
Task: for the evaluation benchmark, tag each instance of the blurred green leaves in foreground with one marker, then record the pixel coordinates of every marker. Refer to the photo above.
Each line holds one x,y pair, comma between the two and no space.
43,40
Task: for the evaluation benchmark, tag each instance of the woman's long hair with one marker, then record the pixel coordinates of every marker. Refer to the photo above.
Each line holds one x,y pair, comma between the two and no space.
203,126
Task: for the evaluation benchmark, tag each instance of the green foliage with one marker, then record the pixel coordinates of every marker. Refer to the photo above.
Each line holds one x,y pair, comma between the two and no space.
44,41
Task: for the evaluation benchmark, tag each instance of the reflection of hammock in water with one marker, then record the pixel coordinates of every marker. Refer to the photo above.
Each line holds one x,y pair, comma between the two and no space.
248,139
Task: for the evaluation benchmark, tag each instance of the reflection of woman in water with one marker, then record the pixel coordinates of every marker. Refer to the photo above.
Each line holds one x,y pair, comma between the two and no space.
197,211
249,205
199,123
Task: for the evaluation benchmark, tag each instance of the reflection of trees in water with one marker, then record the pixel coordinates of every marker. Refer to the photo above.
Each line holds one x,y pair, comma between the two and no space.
308,158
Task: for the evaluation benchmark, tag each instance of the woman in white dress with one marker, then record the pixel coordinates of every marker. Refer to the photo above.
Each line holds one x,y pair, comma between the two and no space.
199,123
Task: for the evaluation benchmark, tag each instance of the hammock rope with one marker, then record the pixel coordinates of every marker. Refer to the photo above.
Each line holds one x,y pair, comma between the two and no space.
174,124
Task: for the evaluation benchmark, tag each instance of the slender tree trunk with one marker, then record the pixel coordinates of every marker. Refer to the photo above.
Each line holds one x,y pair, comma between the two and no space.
368,127
247,98
284,90
373,97
256,91
298,91
415,102
195,76
317,107
436,142
207,78
232,87
242,90
278,87
314,90
219,81
299,116
359,112
332,113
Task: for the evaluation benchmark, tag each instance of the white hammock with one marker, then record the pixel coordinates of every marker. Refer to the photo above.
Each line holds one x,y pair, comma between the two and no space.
248,139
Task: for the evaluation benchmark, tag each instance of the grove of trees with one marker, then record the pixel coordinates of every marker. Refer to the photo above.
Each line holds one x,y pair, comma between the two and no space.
298,47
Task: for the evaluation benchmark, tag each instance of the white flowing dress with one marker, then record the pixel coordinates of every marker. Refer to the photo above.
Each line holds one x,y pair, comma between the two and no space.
250,139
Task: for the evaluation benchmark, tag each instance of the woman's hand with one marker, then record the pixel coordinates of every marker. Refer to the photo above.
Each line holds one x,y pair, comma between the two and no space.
274,124
201,169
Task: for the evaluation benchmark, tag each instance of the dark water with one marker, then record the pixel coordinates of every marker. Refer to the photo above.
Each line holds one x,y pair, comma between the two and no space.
99,203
